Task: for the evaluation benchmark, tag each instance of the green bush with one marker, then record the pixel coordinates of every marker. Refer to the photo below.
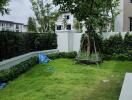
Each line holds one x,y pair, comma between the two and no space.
53,56
117,48
62,55
120,57
14,72
13,44
128,41
71,55
106,57
129,55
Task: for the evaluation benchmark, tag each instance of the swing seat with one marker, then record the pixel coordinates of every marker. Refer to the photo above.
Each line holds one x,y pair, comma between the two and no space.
86,59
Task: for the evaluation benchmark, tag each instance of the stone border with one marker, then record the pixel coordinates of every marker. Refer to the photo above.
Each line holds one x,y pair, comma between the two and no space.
126,91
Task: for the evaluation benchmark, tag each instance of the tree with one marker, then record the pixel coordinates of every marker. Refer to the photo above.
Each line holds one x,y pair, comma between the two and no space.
3,7
97,14
32,25
45,17
78,25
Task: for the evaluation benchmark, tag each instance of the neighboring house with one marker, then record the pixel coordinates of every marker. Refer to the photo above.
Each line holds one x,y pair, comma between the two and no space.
65,18
67,21
12,26
123,22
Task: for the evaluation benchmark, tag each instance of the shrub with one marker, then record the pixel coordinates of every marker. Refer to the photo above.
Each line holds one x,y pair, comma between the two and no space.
129,55
53,56
71,55
62,55
113,45
128,41
106,57
117,48
13,44
14,72
120,57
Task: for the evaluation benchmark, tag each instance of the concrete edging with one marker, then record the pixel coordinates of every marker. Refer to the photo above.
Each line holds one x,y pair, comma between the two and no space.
126,91
6,64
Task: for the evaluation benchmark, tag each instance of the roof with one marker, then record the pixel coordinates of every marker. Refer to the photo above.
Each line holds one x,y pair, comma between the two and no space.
5,21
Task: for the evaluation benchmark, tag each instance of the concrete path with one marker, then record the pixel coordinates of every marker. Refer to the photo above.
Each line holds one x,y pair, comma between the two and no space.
126,92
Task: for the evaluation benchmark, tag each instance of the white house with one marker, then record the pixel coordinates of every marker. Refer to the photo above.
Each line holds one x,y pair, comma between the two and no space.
123,22
12,26
69,18
68,38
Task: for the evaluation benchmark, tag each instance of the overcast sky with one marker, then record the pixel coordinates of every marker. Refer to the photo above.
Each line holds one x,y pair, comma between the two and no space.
20,11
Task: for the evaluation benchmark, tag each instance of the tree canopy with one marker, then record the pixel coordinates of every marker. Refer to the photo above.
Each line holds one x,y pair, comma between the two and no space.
45,16
32,25
96,13
3,7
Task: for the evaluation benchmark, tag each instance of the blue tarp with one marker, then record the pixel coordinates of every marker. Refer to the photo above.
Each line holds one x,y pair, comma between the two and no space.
43,59
2,85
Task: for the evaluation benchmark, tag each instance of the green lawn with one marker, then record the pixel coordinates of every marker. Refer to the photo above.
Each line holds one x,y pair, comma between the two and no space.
69,81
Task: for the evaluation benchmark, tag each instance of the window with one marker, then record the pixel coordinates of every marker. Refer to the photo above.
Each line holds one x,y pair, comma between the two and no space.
130,24
58,27
68,27
67,17
17,26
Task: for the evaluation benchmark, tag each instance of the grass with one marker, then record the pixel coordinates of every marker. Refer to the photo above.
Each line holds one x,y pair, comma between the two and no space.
68,81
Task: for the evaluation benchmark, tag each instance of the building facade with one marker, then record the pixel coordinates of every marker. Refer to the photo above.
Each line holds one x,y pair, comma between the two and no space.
66,21
123,22
12,26
65,18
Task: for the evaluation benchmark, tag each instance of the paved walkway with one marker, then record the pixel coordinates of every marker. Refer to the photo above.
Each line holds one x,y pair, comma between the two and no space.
126,92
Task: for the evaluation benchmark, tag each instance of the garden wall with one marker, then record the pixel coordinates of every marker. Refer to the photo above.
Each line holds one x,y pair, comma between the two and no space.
70,40
6,64
106,35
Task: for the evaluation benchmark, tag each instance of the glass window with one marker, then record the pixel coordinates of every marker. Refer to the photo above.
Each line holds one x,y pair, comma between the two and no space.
68,27
58,27
17,26
67,17
130,24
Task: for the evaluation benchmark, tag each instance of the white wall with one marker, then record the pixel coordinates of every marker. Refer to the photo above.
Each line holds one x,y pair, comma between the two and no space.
62,41
70,40
77,41
108,34
119,19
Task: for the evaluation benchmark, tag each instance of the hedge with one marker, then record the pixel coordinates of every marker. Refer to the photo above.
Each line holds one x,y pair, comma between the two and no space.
117,47
13,44
14,72
70,55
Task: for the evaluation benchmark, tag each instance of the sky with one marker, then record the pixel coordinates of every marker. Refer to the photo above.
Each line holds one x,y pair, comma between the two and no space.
20,10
